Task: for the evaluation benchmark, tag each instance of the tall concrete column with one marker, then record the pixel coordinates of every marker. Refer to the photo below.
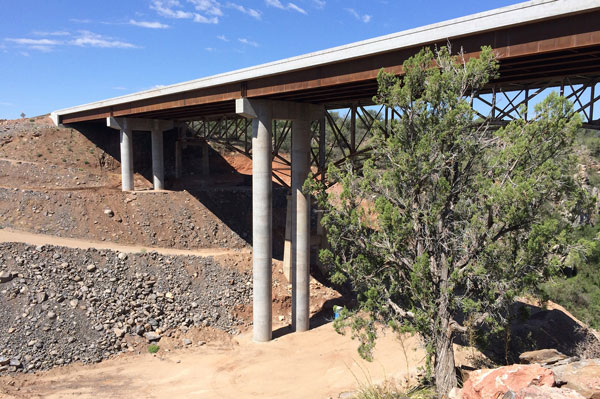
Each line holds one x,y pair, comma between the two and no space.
158,163
205,160
261,225
300,226
126,157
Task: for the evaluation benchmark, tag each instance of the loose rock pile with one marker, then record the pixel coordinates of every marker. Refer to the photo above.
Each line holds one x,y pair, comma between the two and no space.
63,305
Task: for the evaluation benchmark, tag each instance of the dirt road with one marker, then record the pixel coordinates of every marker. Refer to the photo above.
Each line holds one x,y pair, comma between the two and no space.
316,364
11,235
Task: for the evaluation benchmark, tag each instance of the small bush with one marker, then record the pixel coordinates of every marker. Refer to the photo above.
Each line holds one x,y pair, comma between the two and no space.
153,348
389,390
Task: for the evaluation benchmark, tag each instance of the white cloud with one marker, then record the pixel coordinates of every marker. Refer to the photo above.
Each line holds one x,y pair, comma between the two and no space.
366,18
6,104
90,39
248,42
55,33
148,24
250,11
320,4
209,49
294,7
83,39
223,37
204,20
167,8
210,7
275,3
209,11
33,42
289,6
120,88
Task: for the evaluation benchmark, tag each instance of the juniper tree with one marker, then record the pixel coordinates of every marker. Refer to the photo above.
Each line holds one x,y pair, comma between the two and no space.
449,219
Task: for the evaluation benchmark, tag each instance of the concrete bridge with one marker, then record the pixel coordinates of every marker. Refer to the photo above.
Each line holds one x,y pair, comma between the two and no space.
540,44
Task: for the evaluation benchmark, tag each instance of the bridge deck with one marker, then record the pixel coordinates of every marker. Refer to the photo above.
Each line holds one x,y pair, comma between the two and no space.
535,40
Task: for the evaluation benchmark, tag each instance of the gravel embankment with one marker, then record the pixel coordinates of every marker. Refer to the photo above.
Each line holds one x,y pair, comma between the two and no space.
63,305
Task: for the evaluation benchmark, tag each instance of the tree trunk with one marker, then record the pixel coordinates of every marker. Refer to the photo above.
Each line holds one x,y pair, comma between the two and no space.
445,375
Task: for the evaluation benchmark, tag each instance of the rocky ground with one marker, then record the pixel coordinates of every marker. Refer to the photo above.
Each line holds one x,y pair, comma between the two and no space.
542,374
110,215
63,305
55,181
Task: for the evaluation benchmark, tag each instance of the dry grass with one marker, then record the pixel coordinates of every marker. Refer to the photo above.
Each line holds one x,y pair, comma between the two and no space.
389,390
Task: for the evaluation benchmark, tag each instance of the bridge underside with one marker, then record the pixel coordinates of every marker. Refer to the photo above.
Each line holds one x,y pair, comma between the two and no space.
325,113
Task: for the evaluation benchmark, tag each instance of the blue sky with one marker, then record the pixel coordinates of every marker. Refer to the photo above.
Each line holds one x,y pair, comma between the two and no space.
60,53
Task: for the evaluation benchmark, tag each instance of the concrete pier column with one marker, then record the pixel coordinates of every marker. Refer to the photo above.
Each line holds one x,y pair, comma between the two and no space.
158,163
205,160
261,225
126,157
300,226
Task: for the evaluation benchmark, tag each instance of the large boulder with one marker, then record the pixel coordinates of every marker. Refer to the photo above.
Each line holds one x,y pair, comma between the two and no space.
543,392
495,383
542,356
582,376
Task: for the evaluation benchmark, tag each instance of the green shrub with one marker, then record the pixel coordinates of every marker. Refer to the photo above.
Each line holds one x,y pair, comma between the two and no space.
388,390
153,348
